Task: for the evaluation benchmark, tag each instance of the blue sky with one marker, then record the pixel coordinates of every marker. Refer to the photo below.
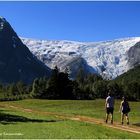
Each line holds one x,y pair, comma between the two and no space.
79,21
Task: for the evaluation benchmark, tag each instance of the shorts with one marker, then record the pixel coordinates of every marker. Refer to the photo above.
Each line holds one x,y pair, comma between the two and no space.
125,111
109,110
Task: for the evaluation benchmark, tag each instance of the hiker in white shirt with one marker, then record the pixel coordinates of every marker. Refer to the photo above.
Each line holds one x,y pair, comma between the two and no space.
109,106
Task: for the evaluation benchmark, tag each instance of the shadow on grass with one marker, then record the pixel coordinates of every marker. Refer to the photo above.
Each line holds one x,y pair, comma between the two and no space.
6,118
137,124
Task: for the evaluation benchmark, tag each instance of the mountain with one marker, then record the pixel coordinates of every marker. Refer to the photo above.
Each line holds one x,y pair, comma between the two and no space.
132,75
17,63
134,55
107,58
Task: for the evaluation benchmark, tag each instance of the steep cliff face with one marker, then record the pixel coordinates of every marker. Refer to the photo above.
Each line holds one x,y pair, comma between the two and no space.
17,63
134,55
76,64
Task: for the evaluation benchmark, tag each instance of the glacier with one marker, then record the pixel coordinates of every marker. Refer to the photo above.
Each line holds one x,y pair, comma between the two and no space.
107,58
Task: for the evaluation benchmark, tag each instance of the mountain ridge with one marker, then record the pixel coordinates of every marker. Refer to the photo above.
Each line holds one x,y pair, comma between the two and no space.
17,63
107,58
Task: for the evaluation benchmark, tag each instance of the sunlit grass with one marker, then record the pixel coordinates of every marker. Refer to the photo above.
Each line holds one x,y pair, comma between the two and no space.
35,125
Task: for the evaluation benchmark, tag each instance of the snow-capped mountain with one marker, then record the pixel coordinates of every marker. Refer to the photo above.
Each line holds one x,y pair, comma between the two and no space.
107,58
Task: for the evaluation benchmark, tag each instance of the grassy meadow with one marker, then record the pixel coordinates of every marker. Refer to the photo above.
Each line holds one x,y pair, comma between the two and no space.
18,124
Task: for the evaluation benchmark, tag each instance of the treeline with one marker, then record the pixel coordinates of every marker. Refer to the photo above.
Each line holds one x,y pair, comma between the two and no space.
86,86
15,91
60,86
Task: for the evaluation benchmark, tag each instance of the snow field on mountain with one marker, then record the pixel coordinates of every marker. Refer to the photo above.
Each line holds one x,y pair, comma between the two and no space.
106,57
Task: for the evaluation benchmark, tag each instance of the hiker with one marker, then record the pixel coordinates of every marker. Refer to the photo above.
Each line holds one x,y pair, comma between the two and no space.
124,109
109,106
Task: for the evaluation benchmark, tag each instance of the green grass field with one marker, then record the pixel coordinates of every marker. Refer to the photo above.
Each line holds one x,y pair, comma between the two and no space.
19,124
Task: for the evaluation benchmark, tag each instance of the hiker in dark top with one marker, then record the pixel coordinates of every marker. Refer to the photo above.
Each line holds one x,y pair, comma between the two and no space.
124,109
109,106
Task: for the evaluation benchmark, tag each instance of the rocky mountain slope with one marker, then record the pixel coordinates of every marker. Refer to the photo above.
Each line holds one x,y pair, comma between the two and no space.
134,55
17,63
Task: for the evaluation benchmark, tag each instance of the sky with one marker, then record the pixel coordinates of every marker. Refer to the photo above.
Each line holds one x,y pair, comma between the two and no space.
78,21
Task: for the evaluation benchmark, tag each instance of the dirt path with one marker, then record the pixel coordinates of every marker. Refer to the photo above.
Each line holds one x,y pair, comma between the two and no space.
130,128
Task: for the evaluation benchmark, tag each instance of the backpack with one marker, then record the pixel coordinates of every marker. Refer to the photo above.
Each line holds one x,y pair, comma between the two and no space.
128,109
